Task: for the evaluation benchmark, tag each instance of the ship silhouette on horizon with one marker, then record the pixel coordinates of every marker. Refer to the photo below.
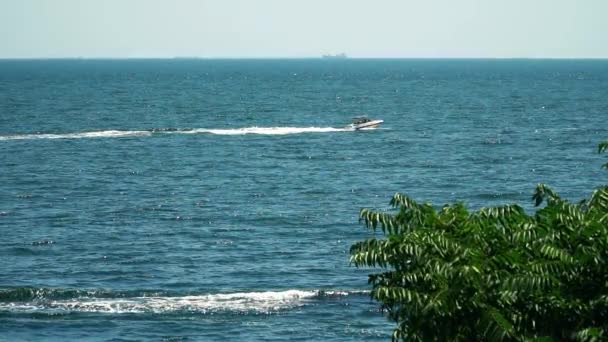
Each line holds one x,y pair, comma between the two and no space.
336,56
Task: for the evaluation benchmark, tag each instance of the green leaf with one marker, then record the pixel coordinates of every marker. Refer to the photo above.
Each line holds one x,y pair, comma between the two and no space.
495,274
602,147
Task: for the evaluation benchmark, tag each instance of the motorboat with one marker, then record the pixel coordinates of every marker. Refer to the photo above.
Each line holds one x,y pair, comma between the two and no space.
364,122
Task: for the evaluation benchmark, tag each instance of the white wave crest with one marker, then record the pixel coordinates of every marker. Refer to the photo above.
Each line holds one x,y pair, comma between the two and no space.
259,302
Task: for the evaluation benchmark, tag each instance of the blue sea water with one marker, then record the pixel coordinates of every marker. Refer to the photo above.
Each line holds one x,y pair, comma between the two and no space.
210,200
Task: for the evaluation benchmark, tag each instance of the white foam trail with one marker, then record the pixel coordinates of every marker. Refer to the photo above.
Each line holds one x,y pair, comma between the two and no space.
99,134
235,131
261,302
268,130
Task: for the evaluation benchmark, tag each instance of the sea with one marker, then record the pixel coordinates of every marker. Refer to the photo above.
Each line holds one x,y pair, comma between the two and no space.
214,200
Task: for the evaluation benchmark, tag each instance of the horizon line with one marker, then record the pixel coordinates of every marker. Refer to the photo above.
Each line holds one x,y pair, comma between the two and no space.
290,58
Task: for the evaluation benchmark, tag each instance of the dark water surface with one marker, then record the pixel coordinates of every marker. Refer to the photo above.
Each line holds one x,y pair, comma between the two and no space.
217,199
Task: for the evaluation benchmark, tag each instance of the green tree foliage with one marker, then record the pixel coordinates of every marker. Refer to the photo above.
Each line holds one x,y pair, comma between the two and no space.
497,274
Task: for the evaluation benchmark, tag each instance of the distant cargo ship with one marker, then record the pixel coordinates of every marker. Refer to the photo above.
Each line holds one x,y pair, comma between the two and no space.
338,56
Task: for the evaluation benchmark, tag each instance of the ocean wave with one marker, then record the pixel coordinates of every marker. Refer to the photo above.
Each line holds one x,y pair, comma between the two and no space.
44,300
232,131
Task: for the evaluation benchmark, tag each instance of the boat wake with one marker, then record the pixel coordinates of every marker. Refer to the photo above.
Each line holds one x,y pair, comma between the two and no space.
52,301
143,133
267,130
99,134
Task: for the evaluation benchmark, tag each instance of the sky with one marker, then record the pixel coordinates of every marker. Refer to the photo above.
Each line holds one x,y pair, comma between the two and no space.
304,28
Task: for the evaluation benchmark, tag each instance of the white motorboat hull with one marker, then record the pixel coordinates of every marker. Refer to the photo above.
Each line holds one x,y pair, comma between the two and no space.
369,124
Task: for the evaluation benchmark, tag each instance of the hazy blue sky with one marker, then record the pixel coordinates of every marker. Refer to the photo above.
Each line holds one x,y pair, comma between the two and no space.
303,28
